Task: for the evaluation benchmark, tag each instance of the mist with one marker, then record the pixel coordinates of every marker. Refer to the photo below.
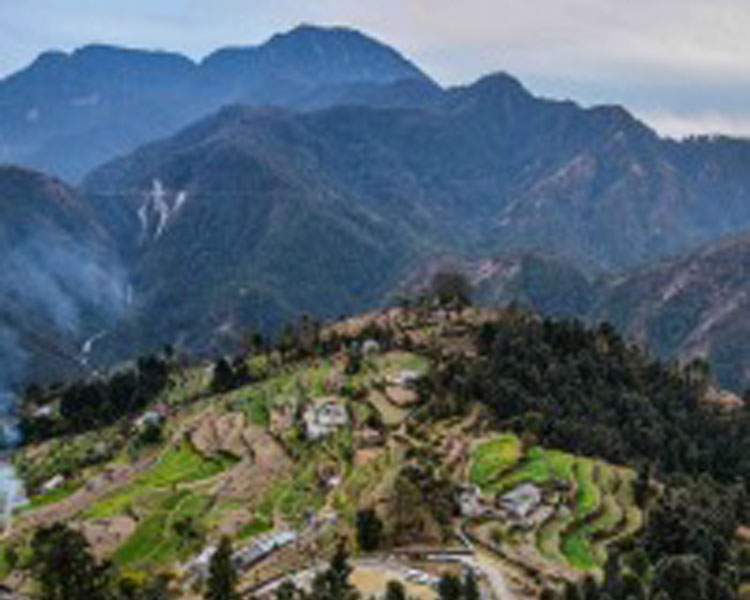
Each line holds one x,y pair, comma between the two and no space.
62,281
52,288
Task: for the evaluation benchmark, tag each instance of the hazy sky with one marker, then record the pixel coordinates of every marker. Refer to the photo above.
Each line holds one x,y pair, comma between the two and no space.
682,65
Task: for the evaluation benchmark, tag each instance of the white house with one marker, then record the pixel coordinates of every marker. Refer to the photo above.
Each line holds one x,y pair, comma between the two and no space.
470,502
324,416
521,502
150,418
404,378
370,347
44,411
53,484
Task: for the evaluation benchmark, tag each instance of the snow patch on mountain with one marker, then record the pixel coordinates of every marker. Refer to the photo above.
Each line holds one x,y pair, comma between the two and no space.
160,207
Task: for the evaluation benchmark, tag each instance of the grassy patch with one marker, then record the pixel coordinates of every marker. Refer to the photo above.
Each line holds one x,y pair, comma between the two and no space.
391,414
610,515
626,501
588,492
393,362
255,527
183,464
577,549
180,464
256,409
549,535
536,467
156,541
491,458
54,496
561,464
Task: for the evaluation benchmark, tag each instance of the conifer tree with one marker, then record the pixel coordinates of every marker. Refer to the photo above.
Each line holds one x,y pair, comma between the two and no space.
333,584
470,587
64,568
394,590
449,587
222,578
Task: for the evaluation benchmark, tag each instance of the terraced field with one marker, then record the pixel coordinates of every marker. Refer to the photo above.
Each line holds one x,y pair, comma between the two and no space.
163,499
490,459
592,501
156,540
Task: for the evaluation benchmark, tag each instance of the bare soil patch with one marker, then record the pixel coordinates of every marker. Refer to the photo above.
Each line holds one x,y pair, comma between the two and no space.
106,535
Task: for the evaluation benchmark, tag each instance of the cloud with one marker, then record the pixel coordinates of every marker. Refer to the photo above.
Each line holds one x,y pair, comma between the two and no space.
676,125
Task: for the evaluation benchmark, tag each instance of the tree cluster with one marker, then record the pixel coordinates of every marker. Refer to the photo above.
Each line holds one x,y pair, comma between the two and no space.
95,403
586,391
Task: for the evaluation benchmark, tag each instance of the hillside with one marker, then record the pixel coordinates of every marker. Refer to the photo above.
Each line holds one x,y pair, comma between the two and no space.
239,221
260,458
396,418
255,204
695,306
59,276
104,101
239,209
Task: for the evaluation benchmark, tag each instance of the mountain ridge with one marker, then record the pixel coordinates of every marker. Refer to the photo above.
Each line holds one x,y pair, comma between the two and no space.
250,205
107,100
478,171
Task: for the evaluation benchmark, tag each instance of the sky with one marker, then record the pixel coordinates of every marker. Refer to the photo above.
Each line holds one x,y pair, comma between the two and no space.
683,66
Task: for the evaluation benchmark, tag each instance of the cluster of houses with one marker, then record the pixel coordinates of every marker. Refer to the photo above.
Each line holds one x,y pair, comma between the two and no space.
245,557
518,505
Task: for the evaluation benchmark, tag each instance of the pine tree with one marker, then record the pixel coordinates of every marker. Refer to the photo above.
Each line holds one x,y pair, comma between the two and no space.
287,591
222,578
642,485
589,588
449,587
369,530
612,574
572,591
394,590
470,587
63,567
223,376
548,594
333,584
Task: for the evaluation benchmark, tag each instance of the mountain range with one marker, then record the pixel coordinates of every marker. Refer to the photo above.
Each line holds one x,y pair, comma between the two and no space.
320,172
104,101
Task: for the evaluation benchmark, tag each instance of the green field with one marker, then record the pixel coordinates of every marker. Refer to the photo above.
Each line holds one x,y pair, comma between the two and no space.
491,458
588,492
577,549
157,540
549,535
179,465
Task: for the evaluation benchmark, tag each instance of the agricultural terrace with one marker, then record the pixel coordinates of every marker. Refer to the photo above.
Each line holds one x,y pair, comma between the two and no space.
235,462
586,504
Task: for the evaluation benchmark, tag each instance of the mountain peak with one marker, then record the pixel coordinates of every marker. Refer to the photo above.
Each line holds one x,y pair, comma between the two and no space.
107,55
311,29
339,53
500,81
498,86
491,91
618,117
